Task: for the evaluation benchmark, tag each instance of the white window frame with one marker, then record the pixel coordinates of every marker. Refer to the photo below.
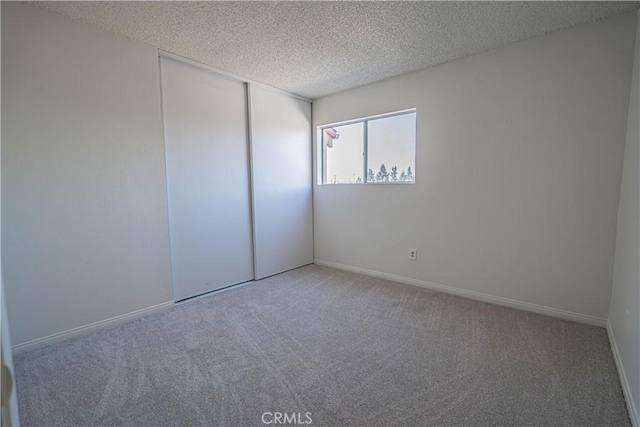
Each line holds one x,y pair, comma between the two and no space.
365,137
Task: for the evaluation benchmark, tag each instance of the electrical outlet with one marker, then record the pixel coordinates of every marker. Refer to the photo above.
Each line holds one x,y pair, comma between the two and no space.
413,254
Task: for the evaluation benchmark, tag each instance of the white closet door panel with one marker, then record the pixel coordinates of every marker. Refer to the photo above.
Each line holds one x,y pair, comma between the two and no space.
205,120
281,158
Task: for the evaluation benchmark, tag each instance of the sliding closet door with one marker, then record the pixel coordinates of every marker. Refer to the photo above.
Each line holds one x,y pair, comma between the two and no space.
205,121
281,158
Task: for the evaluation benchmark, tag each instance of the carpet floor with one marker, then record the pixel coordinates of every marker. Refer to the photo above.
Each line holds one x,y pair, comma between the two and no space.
345,348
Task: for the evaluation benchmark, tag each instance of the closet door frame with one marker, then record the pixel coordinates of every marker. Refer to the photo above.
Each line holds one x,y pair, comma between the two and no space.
277,143
208,179
248,84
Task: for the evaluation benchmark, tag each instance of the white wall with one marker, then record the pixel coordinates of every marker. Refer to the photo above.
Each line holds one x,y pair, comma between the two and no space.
9,413
624,315
518,172
84,216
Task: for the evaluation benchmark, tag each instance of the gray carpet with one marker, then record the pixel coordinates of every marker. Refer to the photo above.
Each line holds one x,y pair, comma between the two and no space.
349,349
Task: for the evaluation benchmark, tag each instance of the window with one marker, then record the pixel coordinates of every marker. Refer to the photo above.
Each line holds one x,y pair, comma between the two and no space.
376,150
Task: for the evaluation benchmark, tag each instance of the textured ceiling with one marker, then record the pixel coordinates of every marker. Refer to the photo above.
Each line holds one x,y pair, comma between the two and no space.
317,48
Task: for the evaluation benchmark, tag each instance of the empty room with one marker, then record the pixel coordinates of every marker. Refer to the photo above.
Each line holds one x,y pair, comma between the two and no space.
341,213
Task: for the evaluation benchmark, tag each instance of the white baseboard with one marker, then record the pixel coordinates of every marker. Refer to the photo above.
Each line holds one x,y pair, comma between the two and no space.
92,327
549,311
626,390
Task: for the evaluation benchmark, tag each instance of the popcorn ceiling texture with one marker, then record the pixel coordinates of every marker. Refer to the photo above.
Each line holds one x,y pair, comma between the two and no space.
318,48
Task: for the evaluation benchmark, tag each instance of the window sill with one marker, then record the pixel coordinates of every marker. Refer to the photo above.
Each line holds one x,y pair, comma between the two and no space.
366,183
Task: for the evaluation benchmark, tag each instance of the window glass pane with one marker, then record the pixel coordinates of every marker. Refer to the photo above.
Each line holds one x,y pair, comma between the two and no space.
391,149
343,153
